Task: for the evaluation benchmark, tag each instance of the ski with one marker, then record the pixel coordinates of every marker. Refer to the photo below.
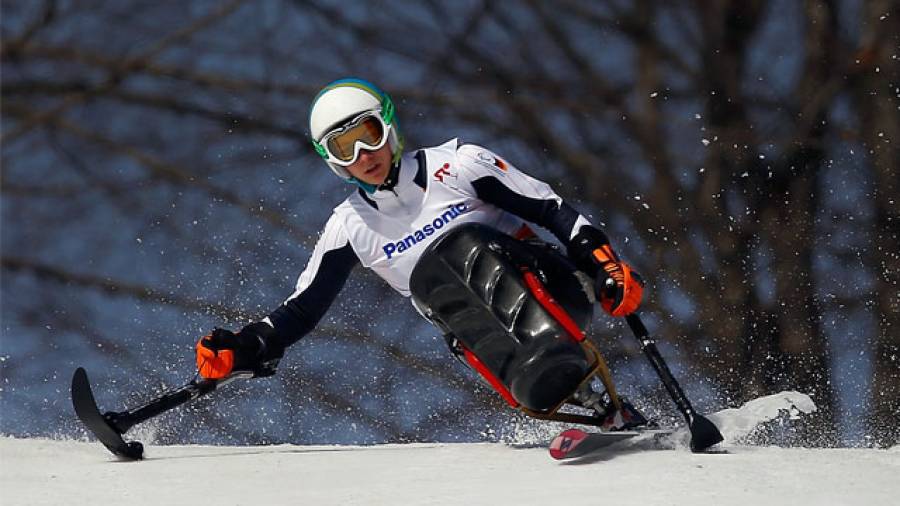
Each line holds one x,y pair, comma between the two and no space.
99,425
576,443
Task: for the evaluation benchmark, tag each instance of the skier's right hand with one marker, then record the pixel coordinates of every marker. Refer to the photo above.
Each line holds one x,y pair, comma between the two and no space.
255,348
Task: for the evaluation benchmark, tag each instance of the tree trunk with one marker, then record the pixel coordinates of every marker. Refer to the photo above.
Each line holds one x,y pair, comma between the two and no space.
878,106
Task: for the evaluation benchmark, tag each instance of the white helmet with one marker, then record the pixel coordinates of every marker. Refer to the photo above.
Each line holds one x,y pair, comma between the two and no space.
342,101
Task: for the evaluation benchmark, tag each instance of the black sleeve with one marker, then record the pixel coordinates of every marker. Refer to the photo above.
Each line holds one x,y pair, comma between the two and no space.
300,314
557,217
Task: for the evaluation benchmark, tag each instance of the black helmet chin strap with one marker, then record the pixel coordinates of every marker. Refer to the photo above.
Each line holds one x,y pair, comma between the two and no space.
391,180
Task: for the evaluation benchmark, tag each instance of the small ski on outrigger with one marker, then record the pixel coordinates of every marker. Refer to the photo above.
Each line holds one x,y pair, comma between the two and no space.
576,443
110,426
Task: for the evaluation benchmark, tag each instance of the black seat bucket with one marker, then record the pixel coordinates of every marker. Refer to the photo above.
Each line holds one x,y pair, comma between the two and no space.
470,283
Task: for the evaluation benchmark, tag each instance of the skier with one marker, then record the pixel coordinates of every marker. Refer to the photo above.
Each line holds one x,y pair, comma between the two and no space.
448,227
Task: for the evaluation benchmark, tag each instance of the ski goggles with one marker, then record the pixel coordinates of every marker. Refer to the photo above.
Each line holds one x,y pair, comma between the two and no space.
343,144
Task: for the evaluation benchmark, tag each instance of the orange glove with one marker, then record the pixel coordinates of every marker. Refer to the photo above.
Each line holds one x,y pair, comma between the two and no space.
213,363
621,290
255,349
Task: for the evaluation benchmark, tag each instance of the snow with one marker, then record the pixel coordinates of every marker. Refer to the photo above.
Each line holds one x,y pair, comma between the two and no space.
736,423
51,472
69,472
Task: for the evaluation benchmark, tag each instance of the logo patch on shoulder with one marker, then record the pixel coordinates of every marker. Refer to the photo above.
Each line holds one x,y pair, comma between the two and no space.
491,160
443,172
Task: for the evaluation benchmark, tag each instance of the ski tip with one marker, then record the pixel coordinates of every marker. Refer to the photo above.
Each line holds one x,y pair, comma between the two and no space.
79,377
565,442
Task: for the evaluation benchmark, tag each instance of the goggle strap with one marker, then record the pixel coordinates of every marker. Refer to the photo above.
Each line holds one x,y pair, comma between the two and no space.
387,110
320,149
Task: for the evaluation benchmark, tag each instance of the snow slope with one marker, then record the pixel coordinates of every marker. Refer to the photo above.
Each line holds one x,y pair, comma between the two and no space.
74,473
35,471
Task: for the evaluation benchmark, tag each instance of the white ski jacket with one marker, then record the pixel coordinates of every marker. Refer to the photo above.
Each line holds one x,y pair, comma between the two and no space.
432,190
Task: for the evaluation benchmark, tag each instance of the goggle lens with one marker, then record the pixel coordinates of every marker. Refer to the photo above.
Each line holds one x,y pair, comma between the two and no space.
369,131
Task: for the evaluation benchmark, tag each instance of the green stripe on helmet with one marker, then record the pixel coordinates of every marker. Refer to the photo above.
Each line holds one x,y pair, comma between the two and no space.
387,110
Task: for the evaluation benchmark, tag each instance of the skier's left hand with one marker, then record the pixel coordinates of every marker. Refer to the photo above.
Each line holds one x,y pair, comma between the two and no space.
621,289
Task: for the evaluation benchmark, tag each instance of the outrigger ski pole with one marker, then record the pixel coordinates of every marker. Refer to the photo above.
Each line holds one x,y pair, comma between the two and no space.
110,426
703,432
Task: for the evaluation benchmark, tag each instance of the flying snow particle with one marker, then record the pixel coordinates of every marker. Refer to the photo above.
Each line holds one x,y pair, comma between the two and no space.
705,142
